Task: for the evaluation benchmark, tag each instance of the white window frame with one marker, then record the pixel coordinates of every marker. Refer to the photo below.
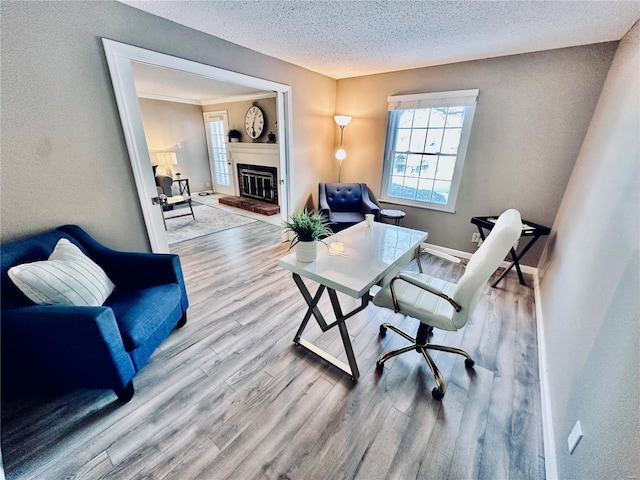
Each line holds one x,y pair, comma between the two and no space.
459,98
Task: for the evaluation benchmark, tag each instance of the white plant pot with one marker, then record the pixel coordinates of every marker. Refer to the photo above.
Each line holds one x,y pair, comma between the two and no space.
307,252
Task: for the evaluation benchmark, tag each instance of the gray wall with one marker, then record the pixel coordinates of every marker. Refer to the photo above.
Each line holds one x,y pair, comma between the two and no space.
590,278
168,123
532,114
63,155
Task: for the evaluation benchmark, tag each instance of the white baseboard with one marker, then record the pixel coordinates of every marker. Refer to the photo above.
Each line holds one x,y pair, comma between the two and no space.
459,253
551,469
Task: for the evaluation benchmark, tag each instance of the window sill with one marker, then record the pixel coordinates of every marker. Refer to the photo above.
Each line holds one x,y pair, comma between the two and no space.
423,206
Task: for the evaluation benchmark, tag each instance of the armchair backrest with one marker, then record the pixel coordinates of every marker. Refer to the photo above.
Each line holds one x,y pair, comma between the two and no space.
31,249
344,197
485,262
165,182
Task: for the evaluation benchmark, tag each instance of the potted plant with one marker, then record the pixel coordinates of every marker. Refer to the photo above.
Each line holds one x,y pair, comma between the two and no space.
234,135
308,228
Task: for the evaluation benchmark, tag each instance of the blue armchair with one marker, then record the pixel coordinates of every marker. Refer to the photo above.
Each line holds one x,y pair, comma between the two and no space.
52,346
345,204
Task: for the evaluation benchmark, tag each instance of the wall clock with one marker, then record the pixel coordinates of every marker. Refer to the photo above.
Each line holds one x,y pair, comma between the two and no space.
254,121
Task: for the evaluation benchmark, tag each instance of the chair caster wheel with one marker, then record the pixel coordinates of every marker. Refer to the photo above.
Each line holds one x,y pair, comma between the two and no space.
383,330
437,395
379,366
469,363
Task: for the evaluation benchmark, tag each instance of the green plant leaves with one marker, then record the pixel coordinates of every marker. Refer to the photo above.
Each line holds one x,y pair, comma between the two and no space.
307,226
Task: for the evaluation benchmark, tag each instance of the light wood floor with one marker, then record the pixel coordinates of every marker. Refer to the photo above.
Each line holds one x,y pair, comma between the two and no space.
230,396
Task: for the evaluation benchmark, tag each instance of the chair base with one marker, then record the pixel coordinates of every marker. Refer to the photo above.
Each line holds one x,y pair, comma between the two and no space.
420,344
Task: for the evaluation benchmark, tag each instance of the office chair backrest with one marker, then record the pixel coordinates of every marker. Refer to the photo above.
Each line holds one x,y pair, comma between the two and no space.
485,262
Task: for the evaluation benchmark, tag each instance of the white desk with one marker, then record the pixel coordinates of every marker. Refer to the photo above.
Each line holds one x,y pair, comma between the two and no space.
357,259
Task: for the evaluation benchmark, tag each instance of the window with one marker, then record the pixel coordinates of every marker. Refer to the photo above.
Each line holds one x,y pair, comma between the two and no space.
427,137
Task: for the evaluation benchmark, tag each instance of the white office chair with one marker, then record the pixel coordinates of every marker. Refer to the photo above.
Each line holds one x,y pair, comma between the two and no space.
440,304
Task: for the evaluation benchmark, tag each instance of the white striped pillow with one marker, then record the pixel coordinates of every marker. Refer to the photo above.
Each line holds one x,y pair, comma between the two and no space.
69,277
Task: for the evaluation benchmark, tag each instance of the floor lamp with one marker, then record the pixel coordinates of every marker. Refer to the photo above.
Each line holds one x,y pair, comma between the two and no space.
342,121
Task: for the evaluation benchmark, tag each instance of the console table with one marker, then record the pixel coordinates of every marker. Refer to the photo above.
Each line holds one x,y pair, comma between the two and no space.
529,229
358,258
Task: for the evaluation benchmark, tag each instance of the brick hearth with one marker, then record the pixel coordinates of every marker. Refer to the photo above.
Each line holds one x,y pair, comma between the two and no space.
250,205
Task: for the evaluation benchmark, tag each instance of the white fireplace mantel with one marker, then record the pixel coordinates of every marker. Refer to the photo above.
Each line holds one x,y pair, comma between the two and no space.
267,154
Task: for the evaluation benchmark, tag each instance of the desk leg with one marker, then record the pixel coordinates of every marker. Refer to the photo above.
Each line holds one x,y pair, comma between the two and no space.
312,303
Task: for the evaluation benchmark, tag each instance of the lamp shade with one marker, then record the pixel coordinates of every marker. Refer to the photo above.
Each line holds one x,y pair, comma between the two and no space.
342,120
166,158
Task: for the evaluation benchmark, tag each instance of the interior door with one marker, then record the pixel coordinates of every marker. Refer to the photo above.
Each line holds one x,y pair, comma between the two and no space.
216,126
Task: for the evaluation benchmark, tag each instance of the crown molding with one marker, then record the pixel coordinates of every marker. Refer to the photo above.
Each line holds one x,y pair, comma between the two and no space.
167,98
210,101
238,98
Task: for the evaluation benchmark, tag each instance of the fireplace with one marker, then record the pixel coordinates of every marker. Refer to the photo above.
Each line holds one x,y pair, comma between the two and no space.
258,182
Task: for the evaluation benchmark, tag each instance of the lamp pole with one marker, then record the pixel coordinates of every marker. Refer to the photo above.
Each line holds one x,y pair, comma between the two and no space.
342,121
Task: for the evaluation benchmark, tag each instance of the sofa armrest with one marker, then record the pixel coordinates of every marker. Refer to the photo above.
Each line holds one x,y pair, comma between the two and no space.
130,269
367,204
76,346
323,205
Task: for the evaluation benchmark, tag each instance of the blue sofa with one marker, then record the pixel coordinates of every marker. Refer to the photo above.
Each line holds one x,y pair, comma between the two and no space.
345,204
52,347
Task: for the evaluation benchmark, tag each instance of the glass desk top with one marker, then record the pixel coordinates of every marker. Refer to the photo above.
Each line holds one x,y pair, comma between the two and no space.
355,259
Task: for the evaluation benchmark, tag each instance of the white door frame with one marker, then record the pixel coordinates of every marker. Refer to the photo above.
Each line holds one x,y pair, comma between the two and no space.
119,57
231,189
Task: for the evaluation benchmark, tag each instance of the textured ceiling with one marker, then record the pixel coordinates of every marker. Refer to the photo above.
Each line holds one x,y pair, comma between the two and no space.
348,38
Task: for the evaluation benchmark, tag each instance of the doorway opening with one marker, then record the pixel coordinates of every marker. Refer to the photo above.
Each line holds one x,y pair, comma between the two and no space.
121,58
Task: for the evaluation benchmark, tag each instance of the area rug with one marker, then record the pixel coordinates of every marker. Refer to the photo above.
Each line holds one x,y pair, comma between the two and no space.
208,220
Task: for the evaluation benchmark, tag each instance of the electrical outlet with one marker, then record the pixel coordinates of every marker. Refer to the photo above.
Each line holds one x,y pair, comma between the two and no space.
475,237
574,437
208,184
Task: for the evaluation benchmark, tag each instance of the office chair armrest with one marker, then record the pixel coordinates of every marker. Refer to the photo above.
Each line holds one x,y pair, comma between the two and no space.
424,286
438,253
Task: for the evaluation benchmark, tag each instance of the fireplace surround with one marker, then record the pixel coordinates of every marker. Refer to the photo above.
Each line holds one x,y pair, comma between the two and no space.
258,182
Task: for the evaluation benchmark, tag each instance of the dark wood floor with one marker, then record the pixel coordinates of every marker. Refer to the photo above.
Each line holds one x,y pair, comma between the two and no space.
230,396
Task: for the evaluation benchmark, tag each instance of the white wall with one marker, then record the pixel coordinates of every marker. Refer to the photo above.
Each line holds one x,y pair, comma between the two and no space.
590,287
167,124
